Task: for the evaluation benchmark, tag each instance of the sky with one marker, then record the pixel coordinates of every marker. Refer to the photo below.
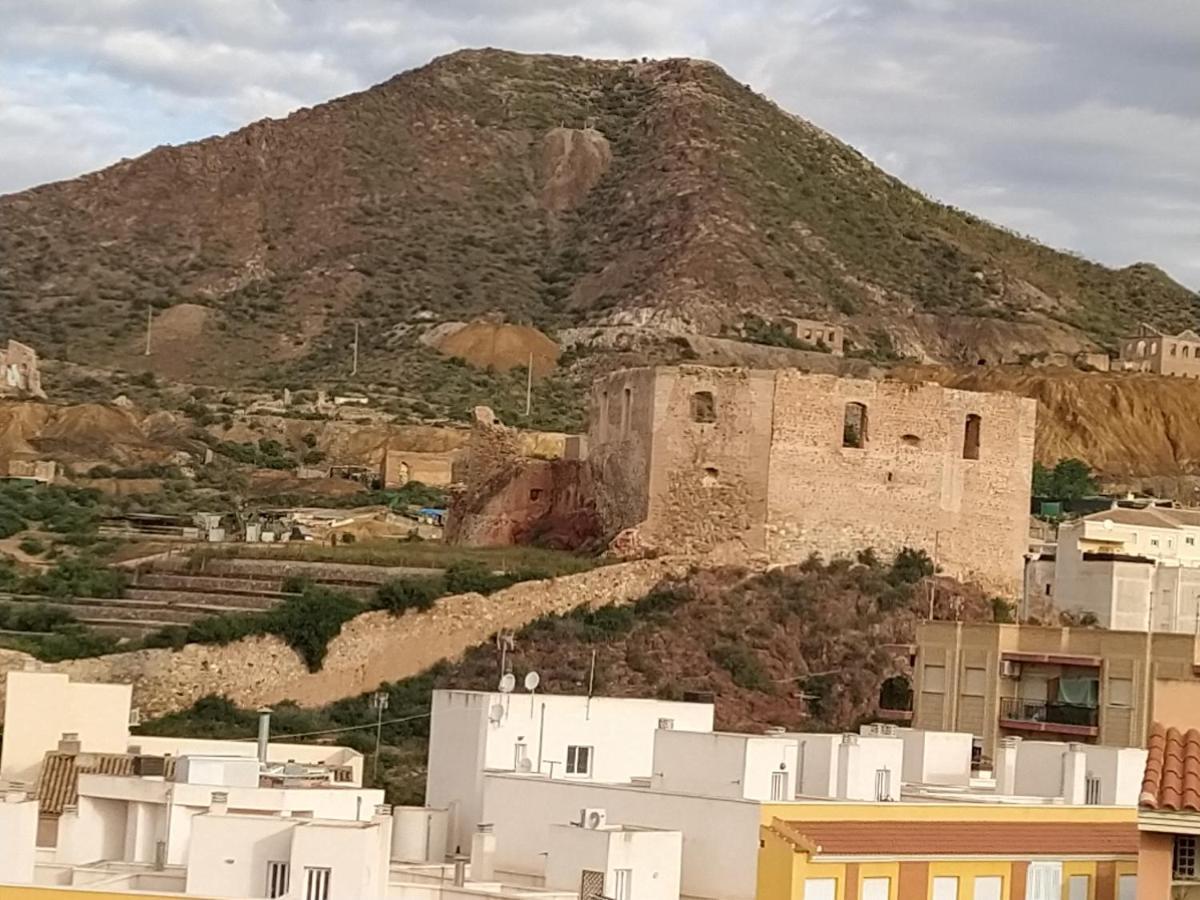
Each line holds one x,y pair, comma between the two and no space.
1074,121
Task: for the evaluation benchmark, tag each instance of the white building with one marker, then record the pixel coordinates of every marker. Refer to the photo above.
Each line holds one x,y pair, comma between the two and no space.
1134,569
561,737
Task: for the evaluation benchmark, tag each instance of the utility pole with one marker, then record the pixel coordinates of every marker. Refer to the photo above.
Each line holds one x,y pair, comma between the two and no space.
354,370
529,387
379,700
149,317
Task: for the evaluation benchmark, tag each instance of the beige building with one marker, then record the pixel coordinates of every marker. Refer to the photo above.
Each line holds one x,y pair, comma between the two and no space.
1070,684
814,332
399,467
1149,350
19,372
779,465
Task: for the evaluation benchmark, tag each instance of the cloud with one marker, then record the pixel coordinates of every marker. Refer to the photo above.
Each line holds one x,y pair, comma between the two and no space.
1074,122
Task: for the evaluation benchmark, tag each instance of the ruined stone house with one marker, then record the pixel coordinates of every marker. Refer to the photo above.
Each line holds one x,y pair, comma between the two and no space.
777,465
19,374
1150,350
812,331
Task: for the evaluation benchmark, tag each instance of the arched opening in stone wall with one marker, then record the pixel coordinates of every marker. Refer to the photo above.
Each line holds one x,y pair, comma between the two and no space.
854,426
971,437
704,407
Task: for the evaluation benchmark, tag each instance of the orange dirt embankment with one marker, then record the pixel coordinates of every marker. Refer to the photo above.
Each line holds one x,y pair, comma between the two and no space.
1121,424
492,345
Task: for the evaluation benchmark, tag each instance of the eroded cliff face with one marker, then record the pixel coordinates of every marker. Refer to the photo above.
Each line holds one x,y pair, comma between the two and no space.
1125,426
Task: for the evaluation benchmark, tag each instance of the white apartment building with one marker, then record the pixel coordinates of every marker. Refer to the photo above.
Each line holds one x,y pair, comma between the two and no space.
1134,569
571,738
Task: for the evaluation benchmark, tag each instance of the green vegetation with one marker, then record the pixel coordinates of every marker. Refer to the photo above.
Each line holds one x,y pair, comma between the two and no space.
62,510
757,330
76,576
265,454
1070,479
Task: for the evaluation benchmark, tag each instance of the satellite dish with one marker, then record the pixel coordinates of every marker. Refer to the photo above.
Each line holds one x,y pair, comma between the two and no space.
532,680
496,713
507,683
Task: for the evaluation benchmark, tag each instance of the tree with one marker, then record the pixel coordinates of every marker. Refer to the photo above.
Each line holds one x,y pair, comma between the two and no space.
1070,479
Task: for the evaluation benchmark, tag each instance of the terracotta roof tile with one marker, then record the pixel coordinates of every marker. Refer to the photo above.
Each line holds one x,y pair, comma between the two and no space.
1020,839
1171,781
58,778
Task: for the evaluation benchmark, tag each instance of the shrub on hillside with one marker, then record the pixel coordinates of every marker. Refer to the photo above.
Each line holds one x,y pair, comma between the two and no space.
402,594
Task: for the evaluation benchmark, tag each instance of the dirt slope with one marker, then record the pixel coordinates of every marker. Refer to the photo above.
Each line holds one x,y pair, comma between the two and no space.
558,191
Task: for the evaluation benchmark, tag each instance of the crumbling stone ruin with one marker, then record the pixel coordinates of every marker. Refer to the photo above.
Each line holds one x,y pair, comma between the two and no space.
19,375
773,466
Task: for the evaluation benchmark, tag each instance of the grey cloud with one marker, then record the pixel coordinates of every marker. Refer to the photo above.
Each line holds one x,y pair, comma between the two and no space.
1076,121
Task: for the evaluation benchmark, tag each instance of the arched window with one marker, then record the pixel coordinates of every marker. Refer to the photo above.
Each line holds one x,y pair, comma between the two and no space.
1186,350
971,437
704,407
910,440
854,426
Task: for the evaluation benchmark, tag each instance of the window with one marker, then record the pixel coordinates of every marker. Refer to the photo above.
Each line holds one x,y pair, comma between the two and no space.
854,426
1127,887
944,888
579,760
989,887
1078,887
520,754
316,883
277,879
820,889
910,440
883,785
535,493
1120,692
1191,542
626,410
1043,881
935,679
974,682
1183,862
1153,542
1185,352
622,884
831,337
971,437
711,477
1091,790
877,889
1172,349
1048,587
779,787
704,407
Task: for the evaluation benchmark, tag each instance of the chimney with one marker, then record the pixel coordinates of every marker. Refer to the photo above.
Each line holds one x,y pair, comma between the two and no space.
70,743
264,733
1005,765
847,764
220,803
460,871
483,853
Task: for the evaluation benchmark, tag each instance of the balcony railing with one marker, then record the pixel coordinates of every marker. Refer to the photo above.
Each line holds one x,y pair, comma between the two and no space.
1041,712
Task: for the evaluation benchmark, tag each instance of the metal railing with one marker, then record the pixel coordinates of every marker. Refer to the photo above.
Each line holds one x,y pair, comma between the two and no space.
1018,710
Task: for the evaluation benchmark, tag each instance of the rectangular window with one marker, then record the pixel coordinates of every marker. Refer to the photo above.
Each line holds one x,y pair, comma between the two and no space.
1091,790
277,879
1043,881
945,887
935,679
591,885
1153,542
1127,887
1078,887
883,785
877,889
316,883
579,760
1191,542
1183,862
820,889
974,682
1120,692
779,785
622,884
989,887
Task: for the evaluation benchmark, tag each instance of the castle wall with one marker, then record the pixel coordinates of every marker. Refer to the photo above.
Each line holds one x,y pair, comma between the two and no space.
765,474
621,417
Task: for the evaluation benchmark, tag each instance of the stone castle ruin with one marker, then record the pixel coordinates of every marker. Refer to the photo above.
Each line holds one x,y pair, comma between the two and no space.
19,375
776,465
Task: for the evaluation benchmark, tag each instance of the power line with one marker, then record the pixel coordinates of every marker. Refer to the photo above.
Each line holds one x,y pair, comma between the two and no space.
344,729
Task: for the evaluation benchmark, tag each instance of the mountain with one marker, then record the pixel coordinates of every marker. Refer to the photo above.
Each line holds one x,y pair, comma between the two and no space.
549,190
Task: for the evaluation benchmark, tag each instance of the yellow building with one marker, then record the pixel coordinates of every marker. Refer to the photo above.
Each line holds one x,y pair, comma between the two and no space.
934,851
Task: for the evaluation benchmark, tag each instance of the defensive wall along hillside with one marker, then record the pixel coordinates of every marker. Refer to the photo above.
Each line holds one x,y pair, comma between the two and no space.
776,465
372,648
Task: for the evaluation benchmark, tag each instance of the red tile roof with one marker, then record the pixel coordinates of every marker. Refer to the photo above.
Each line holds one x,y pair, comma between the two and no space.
935,839
1172,778
58,778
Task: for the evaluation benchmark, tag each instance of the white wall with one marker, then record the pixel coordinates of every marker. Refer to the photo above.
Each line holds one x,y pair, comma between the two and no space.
569,851
229,854
40,706
356,854
1040,771
308,754
720,836
860,758
696,762
18,839
95,831
936,757
818,764
654,859
464,741
766,756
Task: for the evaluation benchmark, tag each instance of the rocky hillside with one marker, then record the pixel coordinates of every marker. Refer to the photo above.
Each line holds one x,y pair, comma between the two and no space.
547,190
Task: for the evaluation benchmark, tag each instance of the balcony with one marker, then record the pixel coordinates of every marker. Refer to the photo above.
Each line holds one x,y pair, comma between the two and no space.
1043,716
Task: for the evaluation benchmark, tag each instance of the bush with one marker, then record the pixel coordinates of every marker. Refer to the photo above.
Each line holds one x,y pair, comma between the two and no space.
10,523
34,617
743,666
32,546
910,566
401,594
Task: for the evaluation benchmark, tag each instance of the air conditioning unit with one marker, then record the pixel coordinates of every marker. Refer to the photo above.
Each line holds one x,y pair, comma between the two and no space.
879,729
1010,668
592,818
666,724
